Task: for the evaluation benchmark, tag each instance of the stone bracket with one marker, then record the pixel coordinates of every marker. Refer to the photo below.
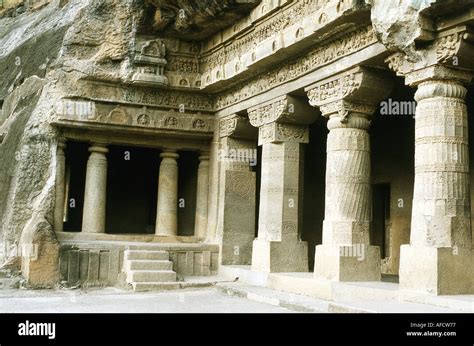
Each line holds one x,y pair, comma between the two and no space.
287,109
236,126
281,132
358,89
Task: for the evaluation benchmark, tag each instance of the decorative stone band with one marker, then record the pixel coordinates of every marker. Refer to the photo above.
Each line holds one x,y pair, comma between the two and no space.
283,132
343,114
440,88
79,112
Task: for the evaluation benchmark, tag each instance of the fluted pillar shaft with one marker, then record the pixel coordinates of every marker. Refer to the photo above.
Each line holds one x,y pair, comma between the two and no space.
346,253
200,225
348,208
167,209
348,100
60,186
93,220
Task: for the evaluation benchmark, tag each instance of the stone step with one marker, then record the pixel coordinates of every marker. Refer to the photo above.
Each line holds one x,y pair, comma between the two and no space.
168,286
135,276
149,265
146,255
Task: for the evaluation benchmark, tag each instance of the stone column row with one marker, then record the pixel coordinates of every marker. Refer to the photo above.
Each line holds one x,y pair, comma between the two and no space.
96,192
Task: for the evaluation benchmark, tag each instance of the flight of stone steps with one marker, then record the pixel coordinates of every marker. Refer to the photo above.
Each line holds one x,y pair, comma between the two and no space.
148,270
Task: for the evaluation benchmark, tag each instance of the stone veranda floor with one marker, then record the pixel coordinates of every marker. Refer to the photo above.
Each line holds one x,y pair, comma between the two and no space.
224,297
113,300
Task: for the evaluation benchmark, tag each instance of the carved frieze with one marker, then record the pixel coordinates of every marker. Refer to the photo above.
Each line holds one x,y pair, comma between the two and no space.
81,112
316,58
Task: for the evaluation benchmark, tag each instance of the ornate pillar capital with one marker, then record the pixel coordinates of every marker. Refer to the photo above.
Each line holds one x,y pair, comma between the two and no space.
449,57
283,132
283,119
354,93
283,109
235,126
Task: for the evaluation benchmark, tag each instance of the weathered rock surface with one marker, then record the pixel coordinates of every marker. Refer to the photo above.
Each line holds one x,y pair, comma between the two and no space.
197,19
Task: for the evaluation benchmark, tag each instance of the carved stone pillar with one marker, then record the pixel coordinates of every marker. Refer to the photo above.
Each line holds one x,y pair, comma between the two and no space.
237,157
439,258
282,131
167,208
348,100
93,219
200,225
60,186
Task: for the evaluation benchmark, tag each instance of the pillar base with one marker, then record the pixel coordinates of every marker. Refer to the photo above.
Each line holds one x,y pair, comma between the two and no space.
347,263
436,271
279,257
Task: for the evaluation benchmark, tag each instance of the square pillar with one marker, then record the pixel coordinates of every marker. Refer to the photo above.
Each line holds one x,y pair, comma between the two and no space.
237,157
278,247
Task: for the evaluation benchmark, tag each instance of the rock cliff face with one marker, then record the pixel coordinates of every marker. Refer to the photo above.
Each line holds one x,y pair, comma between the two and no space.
401,24
197,19
43,56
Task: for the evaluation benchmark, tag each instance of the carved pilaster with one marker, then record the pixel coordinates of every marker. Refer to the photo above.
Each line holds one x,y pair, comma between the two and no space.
237,154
